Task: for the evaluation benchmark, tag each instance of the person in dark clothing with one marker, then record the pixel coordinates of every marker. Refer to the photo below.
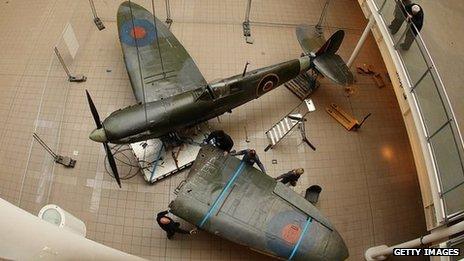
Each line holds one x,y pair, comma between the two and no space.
221,140
399,14
170,226
414,15
290,177
250,157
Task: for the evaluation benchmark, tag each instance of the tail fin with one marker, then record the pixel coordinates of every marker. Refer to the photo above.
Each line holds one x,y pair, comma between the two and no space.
323,53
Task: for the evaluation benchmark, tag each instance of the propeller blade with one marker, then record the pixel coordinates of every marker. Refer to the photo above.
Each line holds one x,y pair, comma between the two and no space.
112,163
94,111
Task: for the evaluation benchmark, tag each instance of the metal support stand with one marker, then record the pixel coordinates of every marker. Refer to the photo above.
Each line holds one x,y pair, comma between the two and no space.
319,29
98,22
63,160
361,41
301,126
168,14
71,78
304,84
246,24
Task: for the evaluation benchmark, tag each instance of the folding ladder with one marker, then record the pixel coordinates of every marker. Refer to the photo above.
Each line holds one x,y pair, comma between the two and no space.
286,125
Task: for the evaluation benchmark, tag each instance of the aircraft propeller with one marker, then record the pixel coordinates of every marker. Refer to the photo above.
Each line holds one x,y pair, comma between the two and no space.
99,125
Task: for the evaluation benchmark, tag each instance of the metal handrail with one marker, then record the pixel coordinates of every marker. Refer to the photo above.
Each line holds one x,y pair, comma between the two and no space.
445,103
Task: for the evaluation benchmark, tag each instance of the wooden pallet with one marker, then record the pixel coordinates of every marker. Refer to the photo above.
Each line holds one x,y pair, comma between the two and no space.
346,120
302,85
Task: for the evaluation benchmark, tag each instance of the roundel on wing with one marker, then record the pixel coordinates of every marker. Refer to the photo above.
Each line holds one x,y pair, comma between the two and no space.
286,228
267,83
137,32
290,233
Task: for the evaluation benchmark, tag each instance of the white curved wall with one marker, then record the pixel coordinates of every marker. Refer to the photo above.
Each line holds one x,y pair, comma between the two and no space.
24,236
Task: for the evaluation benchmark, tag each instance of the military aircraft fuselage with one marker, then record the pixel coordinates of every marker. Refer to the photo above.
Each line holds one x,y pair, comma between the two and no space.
158,118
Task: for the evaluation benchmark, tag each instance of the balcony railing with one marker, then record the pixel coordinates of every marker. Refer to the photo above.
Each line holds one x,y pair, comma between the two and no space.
442,134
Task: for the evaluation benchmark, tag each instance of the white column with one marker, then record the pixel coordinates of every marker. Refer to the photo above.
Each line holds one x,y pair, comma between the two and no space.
361,41
24,236
383,251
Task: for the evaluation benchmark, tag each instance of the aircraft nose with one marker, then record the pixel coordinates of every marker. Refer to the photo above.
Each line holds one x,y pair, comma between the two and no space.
98,135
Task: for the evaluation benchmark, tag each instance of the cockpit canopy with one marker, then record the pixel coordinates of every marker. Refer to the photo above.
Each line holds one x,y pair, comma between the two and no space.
218,89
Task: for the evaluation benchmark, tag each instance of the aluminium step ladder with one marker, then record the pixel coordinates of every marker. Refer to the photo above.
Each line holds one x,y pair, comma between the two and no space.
286,125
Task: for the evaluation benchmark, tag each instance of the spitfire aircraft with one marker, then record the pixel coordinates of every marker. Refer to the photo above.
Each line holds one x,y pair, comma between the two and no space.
228,198
171,92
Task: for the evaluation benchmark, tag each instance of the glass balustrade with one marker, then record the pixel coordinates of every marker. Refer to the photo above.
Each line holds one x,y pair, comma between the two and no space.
442,134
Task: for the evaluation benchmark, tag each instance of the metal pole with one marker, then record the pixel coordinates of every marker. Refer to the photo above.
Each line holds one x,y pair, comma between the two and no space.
62,61
246,24
168,13
247,12
383,251
321,18
361,41
44,145
94,11
98,22
77,78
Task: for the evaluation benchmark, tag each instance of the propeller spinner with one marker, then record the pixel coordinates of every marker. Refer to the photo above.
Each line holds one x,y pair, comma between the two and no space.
99,135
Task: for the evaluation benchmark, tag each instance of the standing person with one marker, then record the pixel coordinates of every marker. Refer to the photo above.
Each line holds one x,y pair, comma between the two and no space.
291,177
170,226
416,17
413,14
221,140
400,14
250,157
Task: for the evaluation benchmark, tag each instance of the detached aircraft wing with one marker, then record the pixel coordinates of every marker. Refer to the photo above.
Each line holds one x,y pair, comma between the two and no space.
324,54
228,198
156,61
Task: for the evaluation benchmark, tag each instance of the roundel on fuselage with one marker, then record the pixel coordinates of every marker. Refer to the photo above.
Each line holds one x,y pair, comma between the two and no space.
138,32
267,83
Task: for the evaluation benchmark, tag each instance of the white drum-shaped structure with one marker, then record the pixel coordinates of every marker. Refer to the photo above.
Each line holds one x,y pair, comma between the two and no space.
59,217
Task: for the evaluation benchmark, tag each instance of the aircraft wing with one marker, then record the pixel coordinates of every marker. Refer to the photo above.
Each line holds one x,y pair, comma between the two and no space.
228,198
155,60
332,66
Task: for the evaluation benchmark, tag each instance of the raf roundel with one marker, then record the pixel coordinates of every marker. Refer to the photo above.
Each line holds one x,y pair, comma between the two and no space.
138,32
285,229
290,233
267,83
